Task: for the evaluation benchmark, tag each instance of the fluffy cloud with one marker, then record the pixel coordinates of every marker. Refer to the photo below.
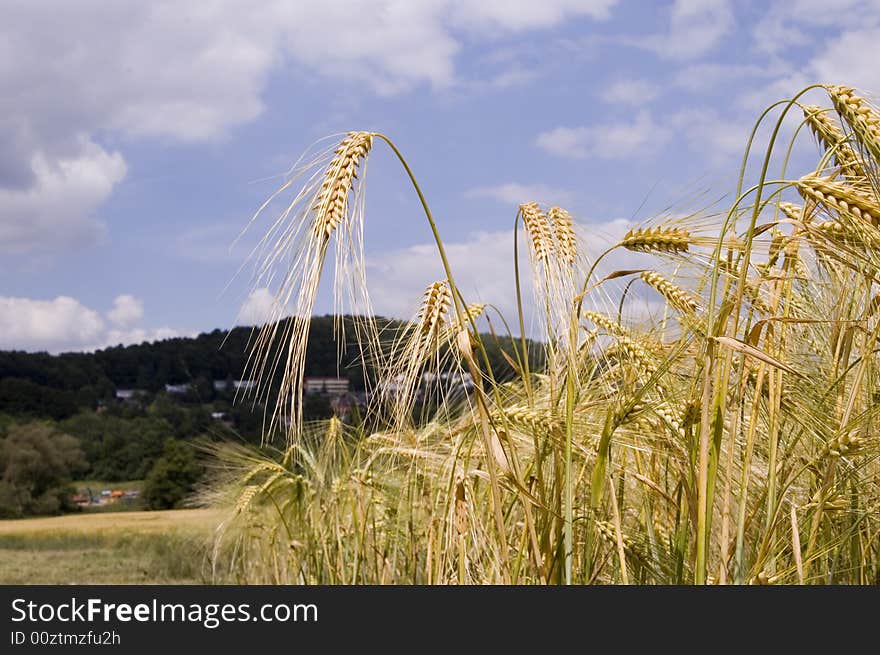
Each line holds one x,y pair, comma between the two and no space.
790,24
513,193
190,72
616,140
258,308
47,324
65,324
696,27
139,335
700,78
850,59
58,208
630,92
126,310
483,269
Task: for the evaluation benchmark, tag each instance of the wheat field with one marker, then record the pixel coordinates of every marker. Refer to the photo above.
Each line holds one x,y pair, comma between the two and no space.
731,437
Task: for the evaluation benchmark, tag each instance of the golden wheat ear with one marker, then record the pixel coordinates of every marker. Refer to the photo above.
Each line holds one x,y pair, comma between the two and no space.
331,205
657,239
677,297
830,137
539,230
859,115
840,198
563,228
291,258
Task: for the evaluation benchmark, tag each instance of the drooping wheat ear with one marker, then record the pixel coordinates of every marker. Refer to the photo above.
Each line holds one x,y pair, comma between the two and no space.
474,310
843,445
792,211
677,297
435,305
654,239
671,432
331,205
777,240
859,115
245,498
606,323
840,198
539,230
830,137
535,418
606,529
835,231
627,412
832,503
563,227
640,356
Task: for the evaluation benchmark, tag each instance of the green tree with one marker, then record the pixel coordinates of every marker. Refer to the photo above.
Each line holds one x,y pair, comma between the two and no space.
173,476
37,464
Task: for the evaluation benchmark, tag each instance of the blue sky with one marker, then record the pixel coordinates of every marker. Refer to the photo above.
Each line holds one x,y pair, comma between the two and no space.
137,140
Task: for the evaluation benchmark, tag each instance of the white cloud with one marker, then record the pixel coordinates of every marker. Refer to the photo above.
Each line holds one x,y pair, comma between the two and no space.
631,92
516,15
851,59
617,140
700,78
695,28
139,335
190,72
220,243
47,324
789,23
716,137
59,208
512,77
65,324
126,310
847,58
482,266
258,308
513,193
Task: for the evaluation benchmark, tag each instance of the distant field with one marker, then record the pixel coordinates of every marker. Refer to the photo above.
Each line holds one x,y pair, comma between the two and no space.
167,547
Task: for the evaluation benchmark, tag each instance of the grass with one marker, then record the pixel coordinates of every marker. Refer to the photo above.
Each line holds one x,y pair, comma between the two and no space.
168,547
729,437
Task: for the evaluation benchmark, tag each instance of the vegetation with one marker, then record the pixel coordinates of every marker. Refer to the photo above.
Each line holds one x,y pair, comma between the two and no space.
124,439
173,477
170,547
730,437
37,465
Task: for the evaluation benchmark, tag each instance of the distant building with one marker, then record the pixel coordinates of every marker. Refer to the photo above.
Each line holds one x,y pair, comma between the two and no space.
247,385
177,388
129,394
221,385
327,386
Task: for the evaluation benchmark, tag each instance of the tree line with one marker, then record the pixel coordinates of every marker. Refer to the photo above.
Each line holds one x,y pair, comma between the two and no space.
61,421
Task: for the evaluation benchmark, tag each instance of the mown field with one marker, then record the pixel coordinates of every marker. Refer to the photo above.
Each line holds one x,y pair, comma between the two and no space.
167,547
